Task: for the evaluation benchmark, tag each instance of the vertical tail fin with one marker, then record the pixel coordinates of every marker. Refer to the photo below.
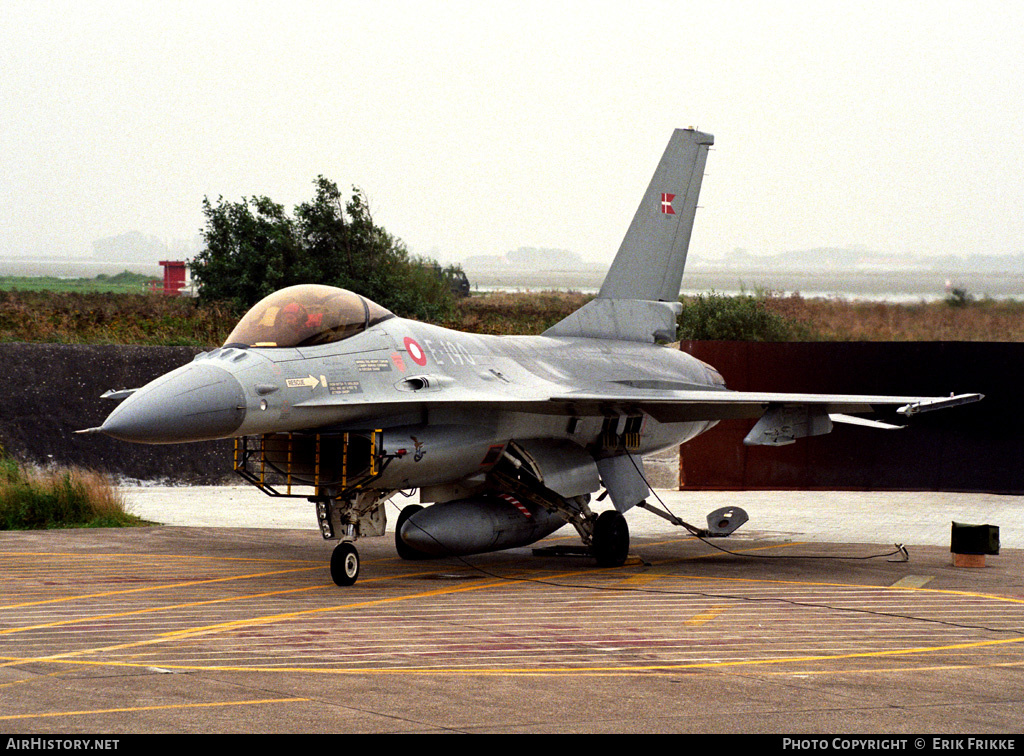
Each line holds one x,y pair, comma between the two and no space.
639,298
650,261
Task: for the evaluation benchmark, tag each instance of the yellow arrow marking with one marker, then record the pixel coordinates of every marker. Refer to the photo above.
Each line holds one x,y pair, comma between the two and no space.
152,708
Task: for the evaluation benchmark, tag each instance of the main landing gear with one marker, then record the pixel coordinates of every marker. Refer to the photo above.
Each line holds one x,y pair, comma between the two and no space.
610,540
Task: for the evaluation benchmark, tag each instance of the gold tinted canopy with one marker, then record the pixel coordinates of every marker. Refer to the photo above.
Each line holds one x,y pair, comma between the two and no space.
306,315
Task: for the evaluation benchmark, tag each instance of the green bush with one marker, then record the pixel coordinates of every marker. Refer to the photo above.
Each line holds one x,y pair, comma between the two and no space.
716,317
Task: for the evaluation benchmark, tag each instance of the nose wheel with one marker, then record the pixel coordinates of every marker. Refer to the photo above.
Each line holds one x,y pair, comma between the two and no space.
344,564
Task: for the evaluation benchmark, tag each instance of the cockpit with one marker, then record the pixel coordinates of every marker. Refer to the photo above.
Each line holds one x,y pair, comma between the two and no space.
306,315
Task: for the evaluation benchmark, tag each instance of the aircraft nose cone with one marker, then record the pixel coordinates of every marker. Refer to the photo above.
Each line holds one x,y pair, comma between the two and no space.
196,402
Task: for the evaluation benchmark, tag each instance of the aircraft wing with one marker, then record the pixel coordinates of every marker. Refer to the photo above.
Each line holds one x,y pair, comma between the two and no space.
784,417
681,406
663,406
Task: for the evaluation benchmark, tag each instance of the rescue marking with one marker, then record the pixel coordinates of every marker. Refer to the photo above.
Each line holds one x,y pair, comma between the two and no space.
309,381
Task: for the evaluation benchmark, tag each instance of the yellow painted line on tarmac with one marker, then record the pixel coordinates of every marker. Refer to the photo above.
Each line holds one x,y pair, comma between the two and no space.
74,656
35,678
913,581
152,609
891,670
145,555
584,671
861,586
668,542
241,623
706,616
130,709
715,552
164,587
291,616
639,580
170,607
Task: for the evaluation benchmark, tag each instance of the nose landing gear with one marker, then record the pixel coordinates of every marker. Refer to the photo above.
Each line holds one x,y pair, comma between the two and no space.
345,564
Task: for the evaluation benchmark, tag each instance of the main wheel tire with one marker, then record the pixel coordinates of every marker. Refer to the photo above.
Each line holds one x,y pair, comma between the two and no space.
610,544
405,550
344,564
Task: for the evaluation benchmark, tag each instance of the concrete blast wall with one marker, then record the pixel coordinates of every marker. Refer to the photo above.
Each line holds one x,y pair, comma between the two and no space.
51,390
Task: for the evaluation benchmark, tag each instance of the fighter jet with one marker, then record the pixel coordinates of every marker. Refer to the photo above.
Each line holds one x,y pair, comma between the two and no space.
332,397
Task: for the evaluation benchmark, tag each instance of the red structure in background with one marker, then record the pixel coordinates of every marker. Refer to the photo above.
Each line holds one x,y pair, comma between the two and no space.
174,278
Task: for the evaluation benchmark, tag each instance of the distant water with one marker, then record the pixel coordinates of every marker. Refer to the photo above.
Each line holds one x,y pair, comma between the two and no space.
904,286
74,267
889,286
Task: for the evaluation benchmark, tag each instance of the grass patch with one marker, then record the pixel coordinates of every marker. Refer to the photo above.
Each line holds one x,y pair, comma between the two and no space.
59,498
92,318
858,320
125,282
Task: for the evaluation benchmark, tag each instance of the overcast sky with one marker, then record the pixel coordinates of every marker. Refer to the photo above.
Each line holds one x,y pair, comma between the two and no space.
476,128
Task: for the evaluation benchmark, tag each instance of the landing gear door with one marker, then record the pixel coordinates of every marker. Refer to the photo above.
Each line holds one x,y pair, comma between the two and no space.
624,478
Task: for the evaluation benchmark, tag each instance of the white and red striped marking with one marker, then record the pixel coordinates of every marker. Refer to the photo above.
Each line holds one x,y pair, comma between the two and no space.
517,504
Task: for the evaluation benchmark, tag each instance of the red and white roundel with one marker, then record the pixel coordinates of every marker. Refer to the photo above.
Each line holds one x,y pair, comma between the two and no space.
415,351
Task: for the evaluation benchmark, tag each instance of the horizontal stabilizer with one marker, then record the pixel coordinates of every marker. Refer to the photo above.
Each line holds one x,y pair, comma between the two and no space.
621,320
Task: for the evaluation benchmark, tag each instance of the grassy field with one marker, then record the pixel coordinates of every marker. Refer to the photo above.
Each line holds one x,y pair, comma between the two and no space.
118,318
73,318
951,320
121,283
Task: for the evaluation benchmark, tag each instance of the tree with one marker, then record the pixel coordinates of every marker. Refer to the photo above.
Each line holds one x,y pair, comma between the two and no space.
253,248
